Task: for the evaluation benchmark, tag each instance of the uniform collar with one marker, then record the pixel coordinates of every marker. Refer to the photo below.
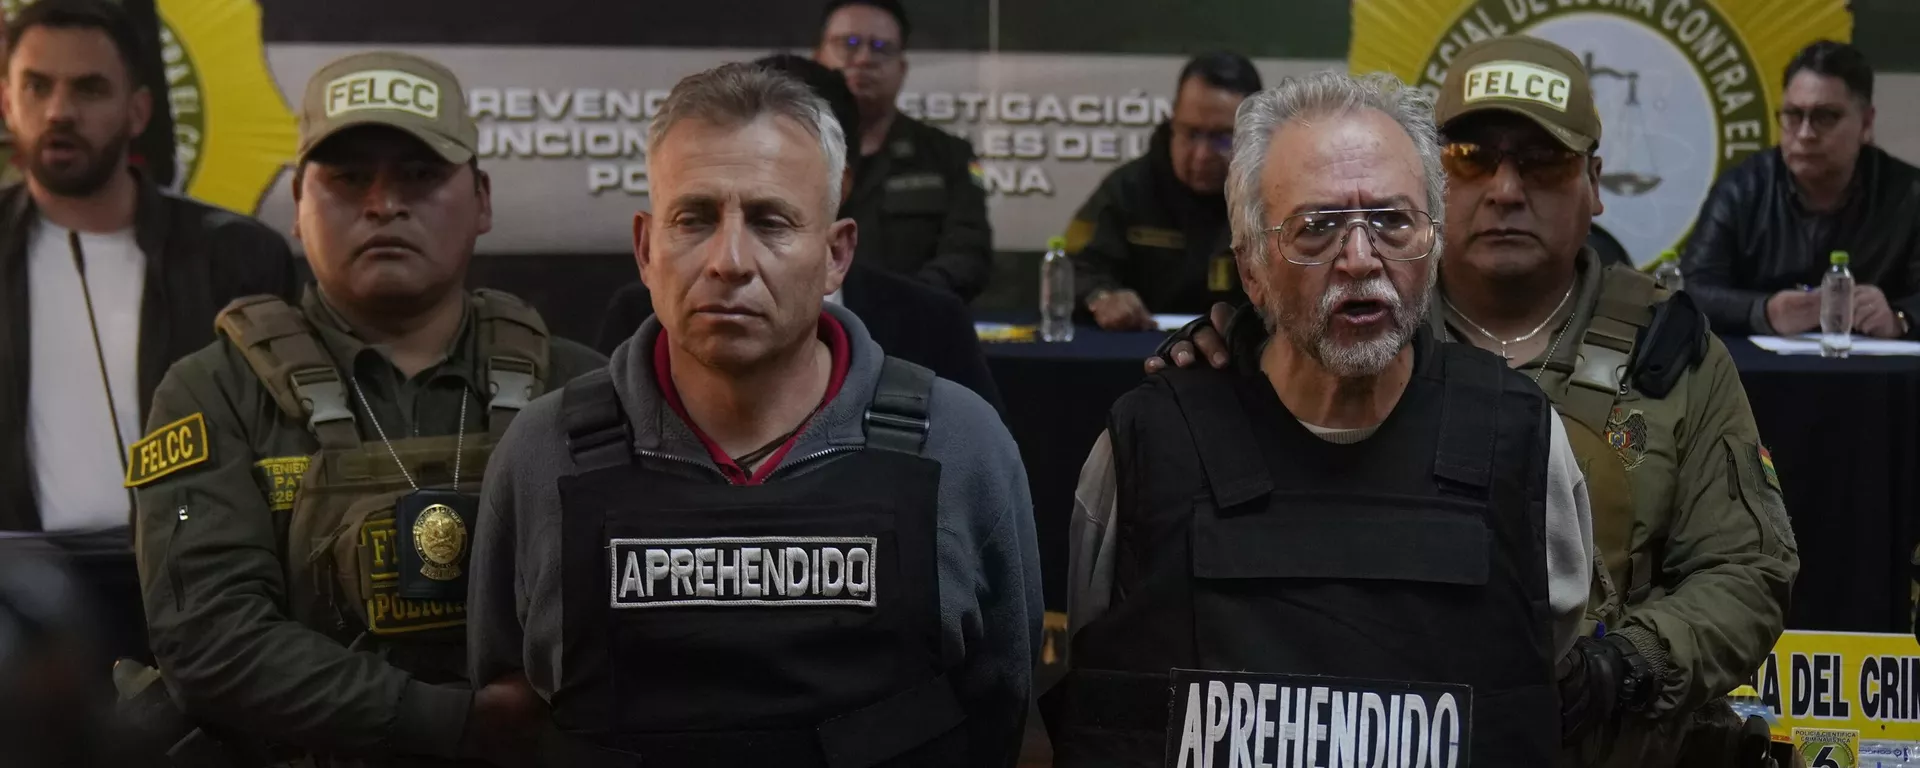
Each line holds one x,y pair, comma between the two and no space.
1586,295
351,353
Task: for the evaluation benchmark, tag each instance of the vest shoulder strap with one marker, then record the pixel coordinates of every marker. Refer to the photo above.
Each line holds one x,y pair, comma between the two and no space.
287,357
1473,382
1222,435
1606,348
897,419
598,434
515,345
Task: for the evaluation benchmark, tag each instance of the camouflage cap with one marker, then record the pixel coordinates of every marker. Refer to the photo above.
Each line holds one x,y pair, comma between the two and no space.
394,89
1525,76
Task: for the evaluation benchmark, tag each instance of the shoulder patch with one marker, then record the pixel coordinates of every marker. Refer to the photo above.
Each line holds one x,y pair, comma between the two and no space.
978,173
280,477
169,449
1766,465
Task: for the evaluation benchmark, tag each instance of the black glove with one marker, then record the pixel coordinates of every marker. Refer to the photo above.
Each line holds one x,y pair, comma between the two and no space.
1591,678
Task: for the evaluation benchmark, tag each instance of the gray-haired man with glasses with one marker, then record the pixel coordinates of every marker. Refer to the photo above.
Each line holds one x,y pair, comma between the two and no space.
1350,499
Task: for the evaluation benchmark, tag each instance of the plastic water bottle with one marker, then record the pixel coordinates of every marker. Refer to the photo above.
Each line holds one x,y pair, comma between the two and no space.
1667,272
1056,292
1836,308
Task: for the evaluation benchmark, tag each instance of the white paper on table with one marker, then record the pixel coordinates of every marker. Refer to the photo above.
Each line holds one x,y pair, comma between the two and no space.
1809,344
1173,322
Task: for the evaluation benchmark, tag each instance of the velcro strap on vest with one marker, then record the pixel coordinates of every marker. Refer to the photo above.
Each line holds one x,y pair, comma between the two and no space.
872,734
287,356
1472,384
1236,469
516,346
598,434
896,420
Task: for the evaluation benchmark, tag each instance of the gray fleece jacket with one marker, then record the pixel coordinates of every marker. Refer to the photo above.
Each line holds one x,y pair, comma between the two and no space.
989,563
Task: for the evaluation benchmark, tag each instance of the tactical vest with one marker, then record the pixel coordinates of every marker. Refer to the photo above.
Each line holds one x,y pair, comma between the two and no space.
795,623
1246,543
1598,381
344,554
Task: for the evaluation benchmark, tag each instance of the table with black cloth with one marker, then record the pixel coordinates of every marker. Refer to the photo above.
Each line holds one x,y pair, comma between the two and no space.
1845,438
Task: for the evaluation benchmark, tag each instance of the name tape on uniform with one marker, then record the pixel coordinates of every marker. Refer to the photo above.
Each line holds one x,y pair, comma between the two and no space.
1518,80
798,571
383,89
169,449
387,612
1224,719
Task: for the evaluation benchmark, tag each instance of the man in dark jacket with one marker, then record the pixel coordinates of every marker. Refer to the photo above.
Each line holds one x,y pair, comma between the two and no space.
1767,230
920,197
92,253
910,320
1153,237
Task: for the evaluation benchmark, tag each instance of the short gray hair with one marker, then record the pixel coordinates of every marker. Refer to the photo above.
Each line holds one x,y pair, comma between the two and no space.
739,93
1317,95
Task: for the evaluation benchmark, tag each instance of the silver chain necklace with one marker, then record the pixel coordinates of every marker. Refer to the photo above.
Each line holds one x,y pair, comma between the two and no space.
1517,339
1557,336
459,441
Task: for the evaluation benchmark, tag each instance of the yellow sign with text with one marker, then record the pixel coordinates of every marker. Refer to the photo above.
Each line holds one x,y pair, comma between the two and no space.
1843,681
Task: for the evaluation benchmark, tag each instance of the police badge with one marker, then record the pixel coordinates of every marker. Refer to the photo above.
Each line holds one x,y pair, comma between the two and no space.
1627,433
433,551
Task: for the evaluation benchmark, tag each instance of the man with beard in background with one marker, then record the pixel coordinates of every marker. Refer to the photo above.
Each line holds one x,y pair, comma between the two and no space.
104,282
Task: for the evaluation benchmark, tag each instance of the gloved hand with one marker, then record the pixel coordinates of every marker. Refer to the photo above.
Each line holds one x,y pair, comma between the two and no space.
1591,676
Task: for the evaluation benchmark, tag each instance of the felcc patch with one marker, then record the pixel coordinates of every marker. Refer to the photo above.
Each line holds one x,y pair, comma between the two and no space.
761,571
167,450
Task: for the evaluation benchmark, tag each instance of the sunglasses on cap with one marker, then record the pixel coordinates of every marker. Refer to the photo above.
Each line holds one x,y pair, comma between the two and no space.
1468,161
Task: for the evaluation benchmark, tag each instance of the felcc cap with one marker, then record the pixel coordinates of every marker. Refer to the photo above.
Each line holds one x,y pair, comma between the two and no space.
1526,76
393,89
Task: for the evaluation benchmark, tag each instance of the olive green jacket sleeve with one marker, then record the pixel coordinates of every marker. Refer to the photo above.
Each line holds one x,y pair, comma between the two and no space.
213,582
1730,557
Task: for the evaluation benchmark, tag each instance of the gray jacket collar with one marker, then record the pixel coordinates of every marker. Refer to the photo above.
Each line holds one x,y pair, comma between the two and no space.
656,428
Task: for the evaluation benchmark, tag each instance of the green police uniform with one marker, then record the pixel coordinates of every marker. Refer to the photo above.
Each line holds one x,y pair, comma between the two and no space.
1699,555
921,204
291,594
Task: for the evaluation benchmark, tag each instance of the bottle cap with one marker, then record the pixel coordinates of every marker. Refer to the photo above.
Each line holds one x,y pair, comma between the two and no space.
1056,243
1839,258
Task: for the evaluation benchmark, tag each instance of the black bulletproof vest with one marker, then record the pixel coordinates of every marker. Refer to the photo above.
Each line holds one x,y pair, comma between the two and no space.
1246,543
795,623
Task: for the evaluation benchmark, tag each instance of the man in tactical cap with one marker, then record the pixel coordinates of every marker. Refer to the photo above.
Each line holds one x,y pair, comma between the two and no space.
1699,555
308,489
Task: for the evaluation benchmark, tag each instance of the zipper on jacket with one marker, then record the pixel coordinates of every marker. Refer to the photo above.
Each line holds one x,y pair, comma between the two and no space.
708,466
791,465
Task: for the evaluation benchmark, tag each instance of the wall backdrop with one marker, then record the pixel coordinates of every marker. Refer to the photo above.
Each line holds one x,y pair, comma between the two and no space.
1053,94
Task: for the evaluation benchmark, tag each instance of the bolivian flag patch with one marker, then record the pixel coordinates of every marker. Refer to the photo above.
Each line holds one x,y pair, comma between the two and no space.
978,174
1766,466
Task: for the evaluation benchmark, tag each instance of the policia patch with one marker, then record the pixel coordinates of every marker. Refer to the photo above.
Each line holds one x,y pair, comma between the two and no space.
169,449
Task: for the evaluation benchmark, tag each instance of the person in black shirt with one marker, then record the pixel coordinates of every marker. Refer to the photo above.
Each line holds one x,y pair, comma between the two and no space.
1153,237
919,195
1767,230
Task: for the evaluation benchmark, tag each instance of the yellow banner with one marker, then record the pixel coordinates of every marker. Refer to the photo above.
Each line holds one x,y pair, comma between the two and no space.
1686,89
1828,681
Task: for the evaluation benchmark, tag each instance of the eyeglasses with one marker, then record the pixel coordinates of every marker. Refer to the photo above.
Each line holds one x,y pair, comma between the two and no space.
881,49
1467,161
1820,119
1220,142
1317,237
